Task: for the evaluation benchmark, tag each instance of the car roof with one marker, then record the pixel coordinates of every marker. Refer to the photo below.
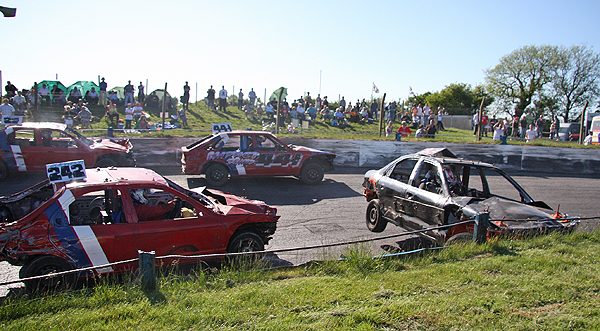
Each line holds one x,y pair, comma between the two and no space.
41,125
125,175
445,156
245,132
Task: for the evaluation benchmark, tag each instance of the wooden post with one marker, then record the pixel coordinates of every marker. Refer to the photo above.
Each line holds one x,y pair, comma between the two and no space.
278,111
164,108
481,225
581,129
381,114
147,270
479,119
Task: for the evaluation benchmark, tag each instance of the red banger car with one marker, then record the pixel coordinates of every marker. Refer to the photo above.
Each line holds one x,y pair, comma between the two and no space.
115,212
29,147
253,154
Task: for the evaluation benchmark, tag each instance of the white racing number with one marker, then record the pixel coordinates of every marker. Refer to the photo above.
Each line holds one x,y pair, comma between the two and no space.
221,127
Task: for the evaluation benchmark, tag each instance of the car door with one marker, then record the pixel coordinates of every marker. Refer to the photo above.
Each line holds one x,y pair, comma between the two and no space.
196,229
425,196
22,152
63,147
272,157
392,188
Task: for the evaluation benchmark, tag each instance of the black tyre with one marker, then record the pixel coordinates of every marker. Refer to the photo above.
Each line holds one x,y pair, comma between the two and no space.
246,242
106,162
375,222
312,174
47,265
3,170
462,237
217,174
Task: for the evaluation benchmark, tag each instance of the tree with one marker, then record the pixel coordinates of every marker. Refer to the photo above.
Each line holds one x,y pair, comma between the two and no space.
575,81
521,75
456,98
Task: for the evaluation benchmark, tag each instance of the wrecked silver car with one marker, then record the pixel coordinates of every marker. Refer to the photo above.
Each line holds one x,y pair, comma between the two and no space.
434,187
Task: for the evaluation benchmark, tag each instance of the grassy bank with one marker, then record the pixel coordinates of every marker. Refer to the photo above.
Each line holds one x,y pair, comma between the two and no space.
200,119
548,283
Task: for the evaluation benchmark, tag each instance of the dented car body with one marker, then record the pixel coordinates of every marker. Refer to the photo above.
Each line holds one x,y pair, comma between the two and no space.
434,188
29,147
102,220
244,153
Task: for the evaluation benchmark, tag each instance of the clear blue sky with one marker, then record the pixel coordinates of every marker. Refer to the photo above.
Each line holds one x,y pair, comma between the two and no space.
335,47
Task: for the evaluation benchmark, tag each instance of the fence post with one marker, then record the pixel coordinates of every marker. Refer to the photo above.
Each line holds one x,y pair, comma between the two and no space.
481,225
147,270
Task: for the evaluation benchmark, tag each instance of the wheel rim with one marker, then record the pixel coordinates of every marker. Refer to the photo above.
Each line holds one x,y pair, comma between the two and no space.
373,216
53,282
217,175
248,245
312,174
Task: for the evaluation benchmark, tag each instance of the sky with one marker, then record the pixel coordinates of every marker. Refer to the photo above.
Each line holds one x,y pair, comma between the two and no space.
327,47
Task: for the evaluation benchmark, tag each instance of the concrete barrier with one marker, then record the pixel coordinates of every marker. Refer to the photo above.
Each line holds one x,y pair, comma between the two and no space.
376,154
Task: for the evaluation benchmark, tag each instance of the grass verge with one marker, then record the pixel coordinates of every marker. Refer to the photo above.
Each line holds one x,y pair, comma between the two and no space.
548,283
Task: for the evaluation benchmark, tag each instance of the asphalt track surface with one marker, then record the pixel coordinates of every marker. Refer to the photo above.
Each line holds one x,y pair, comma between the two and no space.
334,211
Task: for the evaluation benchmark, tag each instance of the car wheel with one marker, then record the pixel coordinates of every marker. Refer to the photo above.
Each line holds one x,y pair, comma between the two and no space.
246,242
312,174
462,237
47,265
3,170
217,174
106,162
375,223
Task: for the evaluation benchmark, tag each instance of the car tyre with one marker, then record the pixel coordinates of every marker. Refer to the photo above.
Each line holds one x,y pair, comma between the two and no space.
217,174
312,173
246,242
106,162
462,237
46,265
3,170
375,222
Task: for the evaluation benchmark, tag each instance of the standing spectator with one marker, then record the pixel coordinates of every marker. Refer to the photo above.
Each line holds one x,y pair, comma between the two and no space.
426,114
523,123
485,123
556,125
6,109
128,89
128,116
392,111
531,134
420,114
211,98
415,117
102,94
137,111
307,100
530,118
374,109
223,99
325,103
515,128
252,97
319,103
185,99
475,123
240,99
440,116
10,89
75,95
45,94
141,95
19,103
92,96
539,125
343,104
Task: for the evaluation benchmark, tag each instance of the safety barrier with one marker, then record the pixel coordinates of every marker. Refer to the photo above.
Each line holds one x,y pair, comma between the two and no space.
147,264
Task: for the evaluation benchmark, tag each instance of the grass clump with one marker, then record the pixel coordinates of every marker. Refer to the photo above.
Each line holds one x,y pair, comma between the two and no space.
547,283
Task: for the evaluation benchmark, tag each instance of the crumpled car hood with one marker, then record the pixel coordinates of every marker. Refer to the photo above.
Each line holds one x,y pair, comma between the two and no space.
500,208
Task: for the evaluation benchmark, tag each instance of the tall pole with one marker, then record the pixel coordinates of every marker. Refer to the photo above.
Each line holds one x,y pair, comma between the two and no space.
196,92
581,128
35,100
278,107
1,85
381,114
479,119
164,108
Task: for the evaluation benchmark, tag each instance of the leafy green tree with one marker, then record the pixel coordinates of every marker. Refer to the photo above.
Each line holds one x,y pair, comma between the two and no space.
456,98
521,76
575,81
